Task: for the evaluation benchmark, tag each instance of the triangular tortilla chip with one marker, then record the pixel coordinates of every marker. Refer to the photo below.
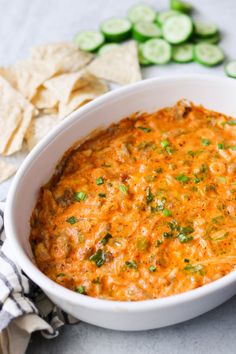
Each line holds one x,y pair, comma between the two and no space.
67,56
15,110
28,75
39,128
78,97
62,85
119,65
44,98
6,170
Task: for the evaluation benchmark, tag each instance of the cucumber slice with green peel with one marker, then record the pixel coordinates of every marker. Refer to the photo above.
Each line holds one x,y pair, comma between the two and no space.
177,29
107,48
146,30
230,69
89,41
142,59
182,53
181,6
205,29
212,39
164,15
157,51
116,29
208,54
141,12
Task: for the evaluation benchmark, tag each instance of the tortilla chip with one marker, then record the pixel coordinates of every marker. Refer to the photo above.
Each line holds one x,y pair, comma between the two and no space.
66,55
6,170
39,128
28,75
15,110
44,98
119,65
62,85
78,97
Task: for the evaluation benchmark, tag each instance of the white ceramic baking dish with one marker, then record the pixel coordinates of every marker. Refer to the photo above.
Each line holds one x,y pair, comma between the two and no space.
214,93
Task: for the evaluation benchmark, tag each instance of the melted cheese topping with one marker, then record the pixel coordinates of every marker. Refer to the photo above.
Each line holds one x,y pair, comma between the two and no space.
146,209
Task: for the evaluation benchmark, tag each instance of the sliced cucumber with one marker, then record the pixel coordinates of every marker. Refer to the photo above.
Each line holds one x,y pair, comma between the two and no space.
212,39
142,59
164,15
181,6
146,30
230,69
205,29
116,29
141,12
107,48
89,41
157,51
208,54
177,29
182,53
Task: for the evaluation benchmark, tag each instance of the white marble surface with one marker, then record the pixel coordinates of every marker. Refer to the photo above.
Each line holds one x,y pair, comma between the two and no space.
24,23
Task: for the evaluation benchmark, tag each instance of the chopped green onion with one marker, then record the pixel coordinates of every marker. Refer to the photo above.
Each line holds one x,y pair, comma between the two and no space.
173,225
72,220
233,148
167,212
158,243
152,268
98,258
167,234
150,196
144,129
196,180
230,122
220,146
165,143
96,281
184,238
186,230
80,196
102,195
191,153
131,264
99,181
159,170
106,238
194,269
123,188
60,275
205,142
80,289
186,260
182,178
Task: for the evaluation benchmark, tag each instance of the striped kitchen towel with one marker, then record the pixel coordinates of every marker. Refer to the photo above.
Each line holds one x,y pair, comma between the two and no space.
24,308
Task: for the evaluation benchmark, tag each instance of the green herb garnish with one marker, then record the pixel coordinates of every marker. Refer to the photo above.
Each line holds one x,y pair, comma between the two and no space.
186,260
144,129
167,212
158,243
152,268
96,281
182,178
196,180
194,269
205,142
150,196
131,264
80,289
72,220
60,275
220,146
98,258
184,238
159,170
164,144
230,122
102,195
167,234
105,239
99,181
123,188
80,196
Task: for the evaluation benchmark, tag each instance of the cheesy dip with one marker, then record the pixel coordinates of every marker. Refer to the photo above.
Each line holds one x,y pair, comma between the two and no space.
143,210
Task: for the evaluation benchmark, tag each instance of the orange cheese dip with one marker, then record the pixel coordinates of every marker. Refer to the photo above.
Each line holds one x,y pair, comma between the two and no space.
143,210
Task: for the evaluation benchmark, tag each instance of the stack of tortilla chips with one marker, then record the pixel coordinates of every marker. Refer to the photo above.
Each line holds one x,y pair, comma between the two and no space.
37,93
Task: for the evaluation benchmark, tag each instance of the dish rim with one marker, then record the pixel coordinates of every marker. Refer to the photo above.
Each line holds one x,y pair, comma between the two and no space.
70,296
